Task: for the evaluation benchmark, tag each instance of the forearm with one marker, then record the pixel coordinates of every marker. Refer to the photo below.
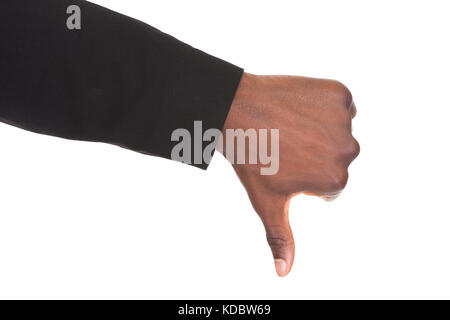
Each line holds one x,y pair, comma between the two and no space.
116,80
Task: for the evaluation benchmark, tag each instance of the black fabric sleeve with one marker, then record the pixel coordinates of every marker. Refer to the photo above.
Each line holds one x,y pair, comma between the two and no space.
116,80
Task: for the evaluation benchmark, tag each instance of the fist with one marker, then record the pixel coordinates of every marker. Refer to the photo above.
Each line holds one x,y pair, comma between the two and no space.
315,148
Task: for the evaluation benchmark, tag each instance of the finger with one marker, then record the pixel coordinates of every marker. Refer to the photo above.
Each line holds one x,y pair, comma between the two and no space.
327,196
280,239
331,196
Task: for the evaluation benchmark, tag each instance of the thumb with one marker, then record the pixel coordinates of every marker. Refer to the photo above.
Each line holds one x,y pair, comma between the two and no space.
280,238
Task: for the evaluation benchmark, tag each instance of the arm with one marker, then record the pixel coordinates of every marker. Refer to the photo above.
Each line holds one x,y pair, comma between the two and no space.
120,81
115,80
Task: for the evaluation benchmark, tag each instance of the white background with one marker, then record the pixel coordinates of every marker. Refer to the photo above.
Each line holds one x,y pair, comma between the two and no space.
87,220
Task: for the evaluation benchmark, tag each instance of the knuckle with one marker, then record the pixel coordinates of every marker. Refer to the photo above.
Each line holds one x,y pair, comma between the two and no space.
351,149
338,180
277,241
355,148
342,93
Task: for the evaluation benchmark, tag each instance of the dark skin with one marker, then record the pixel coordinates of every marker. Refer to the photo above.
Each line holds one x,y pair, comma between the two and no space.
316,147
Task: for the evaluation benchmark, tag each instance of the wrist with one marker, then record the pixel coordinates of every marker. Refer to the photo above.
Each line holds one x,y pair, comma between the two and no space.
247,110
244,103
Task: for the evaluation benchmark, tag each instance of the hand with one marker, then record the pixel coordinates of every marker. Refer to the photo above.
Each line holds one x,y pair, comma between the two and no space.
316,147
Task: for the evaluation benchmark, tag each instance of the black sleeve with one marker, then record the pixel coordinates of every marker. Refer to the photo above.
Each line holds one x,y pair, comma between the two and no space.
115,80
